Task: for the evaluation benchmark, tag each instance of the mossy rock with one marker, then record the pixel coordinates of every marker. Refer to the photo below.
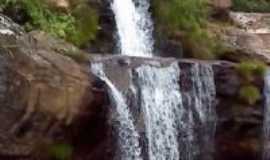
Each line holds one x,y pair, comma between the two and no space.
249,94
249,70
61,151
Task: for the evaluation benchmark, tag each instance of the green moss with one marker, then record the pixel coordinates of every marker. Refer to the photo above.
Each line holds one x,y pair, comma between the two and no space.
199,44
249,94
251,5
250,69
86,25
185,15
61,151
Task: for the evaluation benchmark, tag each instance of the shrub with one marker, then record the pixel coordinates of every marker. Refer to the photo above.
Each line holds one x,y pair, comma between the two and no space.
189,18
78,26
199,44
60,151
185,15
249,94
251,5
250,69
86,25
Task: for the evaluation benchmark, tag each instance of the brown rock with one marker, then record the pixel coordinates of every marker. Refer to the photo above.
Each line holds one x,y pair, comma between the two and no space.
222,4
248,38
64,4
41,91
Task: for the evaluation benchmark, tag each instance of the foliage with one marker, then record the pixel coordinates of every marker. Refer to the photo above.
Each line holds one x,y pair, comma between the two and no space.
199,44
185,15
249,94
61,151
251,5
189,18
86,25
250,69
73,26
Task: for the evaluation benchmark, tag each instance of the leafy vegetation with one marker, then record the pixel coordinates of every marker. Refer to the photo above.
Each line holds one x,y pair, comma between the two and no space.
184,15
61,151
251,5
249,94
188,19
250,69
78,26
86,25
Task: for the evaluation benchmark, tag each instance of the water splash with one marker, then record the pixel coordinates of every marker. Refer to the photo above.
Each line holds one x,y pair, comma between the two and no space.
134,27
128,137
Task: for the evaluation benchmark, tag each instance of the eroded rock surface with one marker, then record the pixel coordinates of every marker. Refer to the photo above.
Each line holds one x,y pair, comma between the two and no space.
41,91
249,38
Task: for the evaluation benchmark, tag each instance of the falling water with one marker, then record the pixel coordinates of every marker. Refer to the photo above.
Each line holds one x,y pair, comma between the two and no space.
178,117
266,128
128,138
161,102
200,121
134,27
179,124
172,123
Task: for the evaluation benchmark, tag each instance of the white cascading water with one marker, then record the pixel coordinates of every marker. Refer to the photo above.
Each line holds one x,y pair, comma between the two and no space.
175,131
128,137
175,124
202,117
161,102
266,125
134,27
179,124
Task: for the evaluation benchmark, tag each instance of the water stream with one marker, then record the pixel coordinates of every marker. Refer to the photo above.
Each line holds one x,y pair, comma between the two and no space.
175,119
134,27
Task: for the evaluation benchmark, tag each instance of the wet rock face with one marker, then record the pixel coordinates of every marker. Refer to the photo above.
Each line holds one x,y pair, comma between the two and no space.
239,126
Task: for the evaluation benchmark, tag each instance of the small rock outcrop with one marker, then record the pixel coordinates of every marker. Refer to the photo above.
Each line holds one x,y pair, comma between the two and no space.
249,37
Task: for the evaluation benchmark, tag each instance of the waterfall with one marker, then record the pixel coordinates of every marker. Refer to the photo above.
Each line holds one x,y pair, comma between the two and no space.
161,102
176,113
198,129
157,113
134,27
266,126
128,137
180,124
